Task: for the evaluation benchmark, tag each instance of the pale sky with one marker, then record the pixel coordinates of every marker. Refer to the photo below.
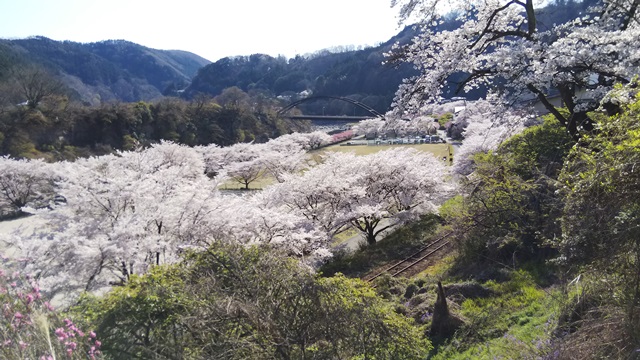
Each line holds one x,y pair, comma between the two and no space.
212,29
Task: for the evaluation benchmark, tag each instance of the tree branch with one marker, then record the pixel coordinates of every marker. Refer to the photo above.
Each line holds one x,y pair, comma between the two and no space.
552,109
490,22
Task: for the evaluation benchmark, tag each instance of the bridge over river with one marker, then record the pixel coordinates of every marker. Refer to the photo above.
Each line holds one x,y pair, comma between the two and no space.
338,118
328,117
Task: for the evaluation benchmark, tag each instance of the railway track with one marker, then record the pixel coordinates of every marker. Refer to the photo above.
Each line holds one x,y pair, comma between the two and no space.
418,257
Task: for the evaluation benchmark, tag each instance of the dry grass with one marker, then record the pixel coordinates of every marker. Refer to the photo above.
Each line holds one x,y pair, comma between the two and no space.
600,335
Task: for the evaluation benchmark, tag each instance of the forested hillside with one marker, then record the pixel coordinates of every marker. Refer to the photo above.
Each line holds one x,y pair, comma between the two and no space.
104,71
62,100
120,70
358,74
57,129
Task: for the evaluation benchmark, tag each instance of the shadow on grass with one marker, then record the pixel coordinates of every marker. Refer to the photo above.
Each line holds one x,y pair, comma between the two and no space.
395,246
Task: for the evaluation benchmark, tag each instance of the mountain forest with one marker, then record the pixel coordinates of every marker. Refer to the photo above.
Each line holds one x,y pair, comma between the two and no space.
155,205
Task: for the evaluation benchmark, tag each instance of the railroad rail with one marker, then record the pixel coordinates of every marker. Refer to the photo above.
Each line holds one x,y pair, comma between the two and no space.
415,258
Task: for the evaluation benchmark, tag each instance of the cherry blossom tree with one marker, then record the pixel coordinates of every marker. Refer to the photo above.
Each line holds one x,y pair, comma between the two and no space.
501,45
416,125
319,195
317,139
244,163
423,125
277,163
370,193
24,183
264,221
213,157
130,211
392,187
369,127
306,141
488,126
124,213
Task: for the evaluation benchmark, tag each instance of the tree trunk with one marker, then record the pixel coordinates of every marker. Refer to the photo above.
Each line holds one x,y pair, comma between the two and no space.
371,238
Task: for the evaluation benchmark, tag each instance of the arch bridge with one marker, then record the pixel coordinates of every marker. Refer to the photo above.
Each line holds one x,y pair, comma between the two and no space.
369,109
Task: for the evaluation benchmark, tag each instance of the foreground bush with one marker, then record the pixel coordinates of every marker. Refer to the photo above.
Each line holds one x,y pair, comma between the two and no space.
237,303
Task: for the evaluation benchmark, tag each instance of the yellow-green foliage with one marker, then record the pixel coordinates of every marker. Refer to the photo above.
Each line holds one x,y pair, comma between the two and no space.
352,301
601,217
233,302
513,323
512,204
452,208
444,119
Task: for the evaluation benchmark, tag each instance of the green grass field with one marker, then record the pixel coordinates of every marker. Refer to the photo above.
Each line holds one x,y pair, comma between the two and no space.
439,150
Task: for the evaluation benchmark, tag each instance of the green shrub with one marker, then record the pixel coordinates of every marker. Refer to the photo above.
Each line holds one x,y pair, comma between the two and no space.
249,303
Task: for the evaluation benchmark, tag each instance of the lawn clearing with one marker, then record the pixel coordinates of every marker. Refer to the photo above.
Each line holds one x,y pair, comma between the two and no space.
343,236
439,150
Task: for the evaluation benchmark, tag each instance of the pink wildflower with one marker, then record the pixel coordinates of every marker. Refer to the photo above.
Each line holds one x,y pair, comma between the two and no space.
61,334
23,345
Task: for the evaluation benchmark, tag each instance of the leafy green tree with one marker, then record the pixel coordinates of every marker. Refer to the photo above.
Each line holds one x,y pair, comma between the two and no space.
601,219
142,320
512,203
232,302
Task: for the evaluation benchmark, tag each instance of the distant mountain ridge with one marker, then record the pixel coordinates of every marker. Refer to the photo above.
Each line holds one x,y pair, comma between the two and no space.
357,74
119,70
107,70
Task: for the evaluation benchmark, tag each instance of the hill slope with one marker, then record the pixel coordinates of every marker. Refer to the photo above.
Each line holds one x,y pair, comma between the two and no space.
107,70
358,74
